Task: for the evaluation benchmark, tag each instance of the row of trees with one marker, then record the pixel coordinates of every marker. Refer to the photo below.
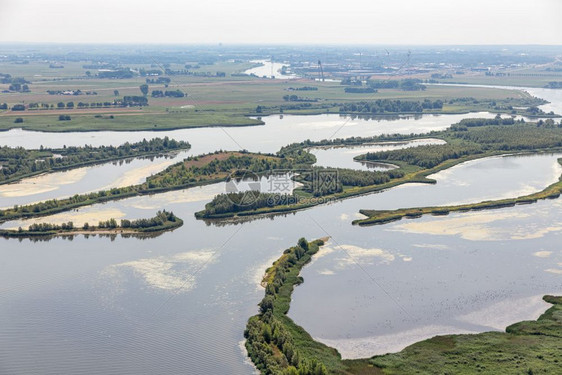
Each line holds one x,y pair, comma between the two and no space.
269,338
303,88
170,93
70,92
296,98
360,90
19,162
47,227
127,101
162,217
8,79
19,87
384,106
426,156
408,84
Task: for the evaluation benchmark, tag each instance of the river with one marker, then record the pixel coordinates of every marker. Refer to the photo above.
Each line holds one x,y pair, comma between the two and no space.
178,303
270,69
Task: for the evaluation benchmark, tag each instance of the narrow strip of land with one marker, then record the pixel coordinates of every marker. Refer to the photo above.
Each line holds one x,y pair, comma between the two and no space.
276,345
162,222
375,217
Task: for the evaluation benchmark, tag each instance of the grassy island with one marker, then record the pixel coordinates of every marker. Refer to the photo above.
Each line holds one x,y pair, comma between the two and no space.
163,221
277,345
375,217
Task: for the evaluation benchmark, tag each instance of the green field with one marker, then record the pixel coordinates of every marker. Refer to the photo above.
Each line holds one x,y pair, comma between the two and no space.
209,101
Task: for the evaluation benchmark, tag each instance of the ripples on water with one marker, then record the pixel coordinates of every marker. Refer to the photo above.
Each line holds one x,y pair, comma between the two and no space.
179,303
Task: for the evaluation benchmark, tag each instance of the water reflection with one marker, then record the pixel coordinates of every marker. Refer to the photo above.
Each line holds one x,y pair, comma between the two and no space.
179,302
343,157
113,300
105,176
71,237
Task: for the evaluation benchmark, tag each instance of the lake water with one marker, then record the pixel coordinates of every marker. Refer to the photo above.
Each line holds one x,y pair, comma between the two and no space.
83,180
342,157
178,303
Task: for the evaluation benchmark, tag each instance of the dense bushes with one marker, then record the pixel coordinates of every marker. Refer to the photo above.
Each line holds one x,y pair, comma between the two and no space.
426,156
161,218
476,122
317,181
180,174
384,106
477,136
231,203
516,137
272,339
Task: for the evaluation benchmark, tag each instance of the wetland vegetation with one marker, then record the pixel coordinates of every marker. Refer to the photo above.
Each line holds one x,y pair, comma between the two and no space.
277,345
468,140
415,164
46,90
19,163
163,221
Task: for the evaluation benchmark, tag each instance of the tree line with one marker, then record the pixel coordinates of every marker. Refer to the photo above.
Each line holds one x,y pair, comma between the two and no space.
161,220
276,345
383,106
19,162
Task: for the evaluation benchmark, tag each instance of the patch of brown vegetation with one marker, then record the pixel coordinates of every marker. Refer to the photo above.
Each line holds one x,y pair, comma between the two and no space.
206,159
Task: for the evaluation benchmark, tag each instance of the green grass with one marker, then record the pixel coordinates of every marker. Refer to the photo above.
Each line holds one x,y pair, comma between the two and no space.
274,360
375,217
216,101
519,79
125,122
528,347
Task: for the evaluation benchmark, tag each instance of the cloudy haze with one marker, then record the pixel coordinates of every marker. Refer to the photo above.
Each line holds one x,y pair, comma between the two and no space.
290,21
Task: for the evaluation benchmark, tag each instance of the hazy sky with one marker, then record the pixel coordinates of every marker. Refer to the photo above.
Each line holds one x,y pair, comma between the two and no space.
287,21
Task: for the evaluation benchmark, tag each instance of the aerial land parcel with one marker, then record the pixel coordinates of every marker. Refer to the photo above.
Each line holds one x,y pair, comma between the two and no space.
70,100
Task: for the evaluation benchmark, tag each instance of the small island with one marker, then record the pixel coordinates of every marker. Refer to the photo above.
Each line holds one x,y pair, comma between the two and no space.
163,221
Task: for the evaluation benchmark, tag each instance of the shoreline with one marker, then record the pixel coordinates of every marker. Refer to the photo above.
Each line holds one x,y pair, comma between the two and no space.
414,177
449,344
93,230
375,217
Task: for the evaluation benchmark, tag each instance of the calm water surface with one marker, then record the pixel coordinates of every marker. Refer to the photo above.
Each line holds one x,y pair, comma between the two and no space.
178,303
